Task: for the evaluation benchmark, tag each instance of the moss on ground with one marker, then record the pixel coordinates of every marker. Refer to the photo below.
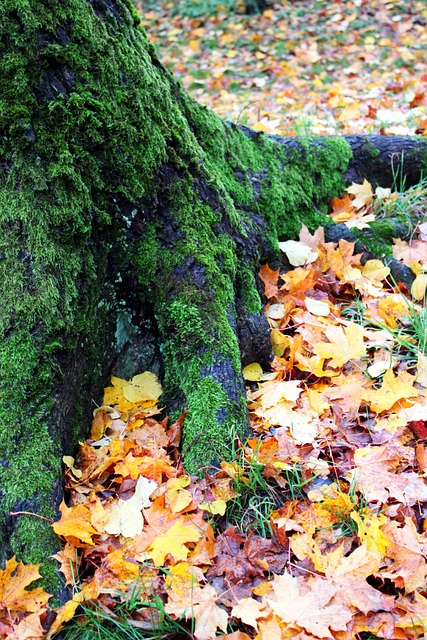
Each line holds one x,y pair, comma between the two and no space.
93,128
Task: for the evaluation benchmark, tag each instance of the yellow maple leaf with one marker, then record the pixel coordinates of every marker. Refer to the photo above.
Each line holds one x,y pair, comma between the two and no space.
144,386
362,192
393,389
173,542
13,582
391,308
369,532
344,344
249,610
177,497
143,390
65,613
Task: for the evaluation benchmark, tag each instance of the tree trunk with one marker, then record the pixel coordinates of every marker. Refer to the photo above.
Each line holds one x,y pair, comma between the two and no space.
130,214
256,6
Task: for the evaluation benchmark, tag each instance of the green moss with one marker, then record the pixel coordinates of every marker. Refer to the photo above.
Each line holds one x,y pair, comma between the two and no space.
369,150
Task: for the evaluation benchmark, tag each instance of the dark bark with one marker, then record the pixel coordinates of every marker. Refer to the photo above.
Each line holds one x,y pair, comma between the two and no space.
132,217
256,6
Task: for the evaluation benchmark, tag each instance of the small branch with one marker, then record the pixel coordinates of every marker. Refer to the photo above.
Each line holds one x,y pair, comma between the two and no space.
28,513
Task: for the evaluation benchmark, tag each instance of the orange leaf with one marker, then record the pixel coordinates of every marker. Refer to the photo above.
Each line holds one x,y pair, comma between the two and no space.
342,209
75,523
269,278
13,594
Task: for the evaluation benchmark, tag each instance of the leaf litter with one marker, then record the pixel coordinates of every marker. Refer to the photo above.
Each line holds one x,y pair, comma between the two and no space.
312,66
339,441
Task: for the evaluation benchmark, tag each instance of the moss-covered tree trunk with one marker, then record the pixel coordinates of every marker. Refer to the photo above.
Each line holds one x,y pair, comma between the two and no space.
129,210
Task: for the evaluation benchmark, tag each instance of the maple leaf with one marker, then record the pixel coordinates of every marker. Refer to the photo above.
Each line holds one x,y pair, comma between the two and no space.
342,209
173,542
249,610
344,344
67,557
414,252
13,582
369,532
393,389
362,192
243,561
75,523
414,622
182,578
313,609
375,479
101,421
348,391
177,497
408,551
65,613
349,578
28,628
200,604
143,388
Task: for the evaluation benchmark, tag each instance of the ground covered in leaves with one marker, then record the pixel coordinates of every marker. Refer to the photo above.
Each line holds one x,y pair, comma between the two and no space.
349,66
317,529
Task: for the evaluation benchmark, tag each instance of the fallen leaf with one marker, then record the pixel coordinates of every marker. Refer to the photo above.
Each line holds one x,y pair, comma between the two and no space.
393,389
344,344
173,542
13,582
252,372
126,518
249,610
362,192
270,278
315,610
75,523
298,253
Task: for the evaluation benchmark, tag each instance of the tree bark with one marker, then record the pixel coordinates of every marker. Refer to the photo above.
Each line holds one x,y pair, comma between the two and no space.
256,6
132,216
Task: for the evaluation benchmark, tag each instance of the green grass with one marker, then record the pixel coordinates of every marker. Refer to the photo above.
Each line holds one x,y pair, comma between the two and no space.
92,622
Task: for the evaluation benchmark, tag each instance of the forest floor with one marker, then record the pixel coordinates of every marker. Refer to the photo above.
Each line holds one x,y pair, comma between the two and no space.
318,527
309,66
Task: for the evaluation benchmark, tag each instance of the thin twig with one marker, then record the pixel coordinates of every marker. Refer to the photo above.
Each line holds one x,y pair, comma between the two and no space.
29,513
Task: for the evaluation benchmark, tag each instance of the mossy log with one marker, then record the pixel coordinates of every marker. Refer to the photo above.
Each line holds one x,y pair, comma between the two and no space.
131,217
